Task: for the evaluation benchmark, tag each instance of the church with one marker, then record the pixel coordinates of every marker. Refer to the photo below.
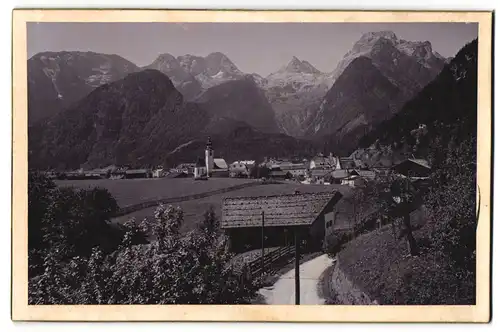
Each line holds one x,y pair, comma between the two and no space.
210,167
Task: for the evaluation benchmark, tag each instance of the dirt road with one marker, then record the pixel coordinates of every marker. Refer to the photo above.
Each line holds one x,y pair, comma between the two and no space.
283,291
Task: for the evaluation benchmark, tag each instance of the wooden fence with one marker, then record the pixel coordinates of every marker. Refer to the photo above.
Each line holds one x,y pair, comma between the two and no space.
272,261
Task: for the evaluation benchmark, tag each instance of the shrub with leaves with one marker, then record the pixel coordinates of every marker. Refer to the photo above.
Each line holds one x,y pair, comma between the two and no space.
452,201
175,269
71,221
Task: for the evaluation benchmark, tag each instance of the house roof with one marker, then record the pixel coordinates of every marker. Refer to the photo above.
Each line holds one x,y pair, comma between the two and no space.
185,165
293,166
136,171
339,174
364,173
220,163
244,162
320,172
417,167
421,162
176,175
279,210
347,163
277,173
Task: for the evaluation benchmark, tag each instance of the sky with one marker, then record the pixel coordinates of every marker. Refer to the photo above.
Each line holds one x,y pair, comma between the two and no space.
260,48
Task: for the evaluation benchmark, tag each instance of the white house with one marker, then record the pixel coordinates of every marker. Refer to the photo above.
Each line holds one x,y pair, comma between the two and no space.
323,162
200,169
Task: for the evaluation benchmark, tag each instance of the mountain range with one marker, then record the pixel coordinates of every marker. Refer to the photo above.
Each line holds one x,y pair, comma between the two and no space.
112,111
58,79
371,84
143,119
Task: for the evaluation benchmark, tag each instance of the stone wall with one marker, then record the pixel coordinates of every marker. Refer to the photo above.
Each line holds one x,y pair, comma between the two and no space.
344,290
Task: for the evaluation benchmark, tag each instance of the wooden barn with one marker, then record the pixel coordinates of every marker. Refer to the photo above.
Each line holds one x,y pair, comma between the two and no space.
413,168
247,220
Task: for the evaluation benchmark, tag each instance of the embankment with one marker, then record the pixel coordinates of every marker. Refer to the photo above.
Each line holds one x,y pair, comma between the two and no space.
339,289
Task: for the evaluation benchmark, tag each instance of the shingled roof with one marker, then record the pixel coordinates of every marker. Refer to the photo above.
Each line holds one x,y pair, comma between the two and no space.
279,210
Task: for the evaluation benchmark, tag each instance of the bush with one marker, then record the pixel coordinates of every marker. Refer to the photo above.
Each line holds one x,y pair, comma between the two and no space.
452,203
70,222
334,242
175,269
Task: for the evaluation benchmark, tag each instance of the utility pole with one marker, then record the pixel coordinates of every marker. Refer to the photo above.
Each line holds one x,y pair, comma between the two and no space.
297,274
262,240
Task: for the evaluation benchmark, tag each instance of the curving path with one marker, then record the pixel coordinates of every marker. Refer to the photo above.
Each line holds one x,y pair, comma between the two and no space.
283,291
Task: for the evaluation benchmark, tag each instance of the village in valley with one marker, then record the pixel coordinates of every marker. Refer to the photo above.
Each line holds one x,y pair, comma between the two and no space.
321,169
308,203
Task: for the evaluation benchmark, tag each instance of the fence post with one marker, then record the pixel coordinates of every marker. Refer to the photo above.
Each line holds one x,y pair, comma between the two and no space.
297,272
262,240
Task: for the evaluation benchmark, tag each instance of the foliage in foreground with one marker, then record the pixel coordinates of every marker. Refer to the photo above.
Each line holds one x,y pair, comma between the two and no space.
443,272
174,269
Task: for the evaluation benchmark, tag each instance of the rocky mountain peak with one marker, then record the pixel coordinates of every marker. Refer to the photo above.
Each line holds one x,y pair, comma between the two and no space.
218,62
374,35
166,57
297,66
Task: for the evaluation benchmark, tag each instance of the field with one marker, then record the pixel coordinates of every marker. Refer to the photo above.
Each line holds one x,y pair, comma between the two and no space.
133,191
194,209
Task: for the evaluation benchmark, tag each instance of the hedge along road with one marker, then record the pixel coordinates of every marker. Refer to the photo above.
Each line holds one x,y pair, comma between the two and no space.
283,291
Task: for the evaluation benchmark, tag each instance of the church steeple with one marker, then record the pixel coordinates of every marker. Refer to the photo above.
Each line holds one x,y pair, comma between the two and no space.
209,157
209,143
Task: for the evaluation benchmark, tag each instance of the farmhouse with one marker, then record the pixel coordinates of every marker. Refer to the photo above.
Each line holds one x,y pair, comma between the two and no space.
137,173
158,172
185,168
200,169
241,168
322,162
321,176
413,168
277,173
347,163
295,170
219,168
353,181
244,219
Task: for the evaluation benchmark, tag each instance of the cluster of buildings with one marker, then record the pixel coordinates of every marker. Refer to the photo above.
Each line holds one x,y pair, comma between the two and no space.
321,169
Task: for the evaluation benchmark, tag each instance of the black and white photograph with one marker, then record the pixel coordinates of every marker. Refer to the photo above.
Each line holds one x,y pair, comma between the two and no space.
257,163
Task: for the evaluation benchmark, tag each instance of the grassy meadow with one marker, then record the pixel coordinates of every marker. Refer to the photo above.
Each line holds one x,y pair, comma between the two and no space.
132,191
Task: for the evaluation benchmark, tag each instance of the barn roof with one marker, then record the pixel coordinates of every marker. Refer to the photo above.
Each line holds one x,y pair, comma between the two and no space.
136,171
279,210
220,163
364,173
421,162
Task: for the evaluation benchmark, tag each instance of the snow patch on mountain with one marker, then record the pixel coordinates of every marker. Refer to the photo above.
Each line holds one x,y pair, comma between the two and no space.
294,91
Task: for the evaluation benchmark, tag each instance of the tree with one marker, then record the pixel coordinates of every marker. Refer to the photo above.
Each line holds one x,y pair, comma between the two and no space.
68,221
39,188
188,269
452,205
258,172
404,197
